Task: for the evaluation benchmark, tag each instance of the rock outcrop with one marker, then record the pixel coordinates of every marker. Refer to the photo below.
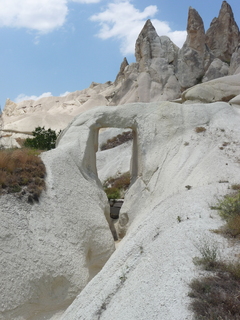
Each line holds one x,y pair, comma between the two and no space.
221,89
217,69
194,57
223,36
52,249
156,254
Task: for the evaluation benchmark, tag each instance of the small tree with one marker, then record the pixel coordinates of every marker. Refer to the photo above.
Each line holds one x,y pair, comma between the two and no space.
43,139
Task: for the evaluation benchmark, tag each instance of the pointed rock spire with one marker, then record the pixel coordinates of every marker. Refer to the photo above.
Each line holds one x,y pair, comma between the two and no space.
145,42
223,35
120,74
195,30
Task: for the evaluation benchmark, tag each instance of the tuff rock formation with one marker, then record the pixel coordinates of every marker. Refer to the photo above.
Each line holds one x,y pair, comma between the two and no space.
161,72
155,256
50,251
223,35
194,58
221,89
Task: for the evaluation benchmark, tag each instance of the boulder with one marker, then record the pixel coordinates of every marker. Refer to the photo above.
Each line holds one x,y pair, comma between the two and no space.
221,89
223,35
217,69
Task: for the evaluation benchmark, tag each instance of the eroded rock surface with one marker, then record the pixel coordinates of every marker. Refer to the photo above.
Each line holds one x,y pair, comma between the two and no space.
223,36
156,254
221,89
51,250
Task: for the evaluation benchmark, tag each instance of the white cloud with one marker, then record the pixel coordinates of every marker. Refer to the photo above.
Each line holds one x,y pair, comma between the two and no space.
178,37
41,15
87,1
121,20
23,97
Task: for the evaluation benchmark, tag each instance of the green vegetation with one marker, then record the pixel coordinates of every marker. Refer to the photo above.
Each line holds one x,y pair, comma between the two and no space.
217,296
229,209
118,140
43,139
22,172
115,188
209,255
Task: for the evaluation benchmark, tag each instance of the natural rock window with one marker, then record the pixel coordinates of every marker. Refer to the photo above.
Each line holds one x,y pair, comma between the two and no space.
113,165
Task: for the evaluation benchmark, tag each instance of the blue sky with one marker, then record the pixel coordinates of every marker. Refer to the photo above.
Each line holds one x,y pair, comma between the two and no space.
50,47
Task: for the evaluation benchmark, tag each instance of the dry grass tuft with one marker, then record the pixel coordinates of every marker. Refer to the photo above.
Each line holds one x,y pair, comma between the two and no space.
200,129
22,171
118,140
217,297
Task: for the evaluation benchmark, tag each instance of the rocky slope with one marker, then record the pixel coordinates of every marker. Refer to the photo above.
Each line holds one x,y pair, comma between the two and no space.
162,72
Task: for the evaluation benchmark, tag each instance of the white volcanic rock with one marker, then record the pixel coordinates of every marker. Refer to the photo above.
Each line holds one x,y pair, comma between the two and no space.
53,112
235,101
114,162
221,89
147,276
217,69
50,250
152,77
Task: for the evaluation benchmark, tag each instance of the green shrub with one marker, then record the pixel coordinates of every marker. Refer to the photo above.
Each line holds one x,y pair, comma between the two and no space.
112,193
209,255
229,207
43,139
115,188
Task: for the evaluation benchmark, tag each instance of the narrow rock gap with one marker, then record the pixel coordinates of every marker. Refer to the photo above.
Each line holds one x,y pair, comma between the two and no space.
114,166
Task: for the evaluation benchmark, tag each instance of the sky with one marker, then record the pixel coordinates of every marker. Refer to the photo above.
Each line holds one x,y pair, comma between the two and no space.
52,47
